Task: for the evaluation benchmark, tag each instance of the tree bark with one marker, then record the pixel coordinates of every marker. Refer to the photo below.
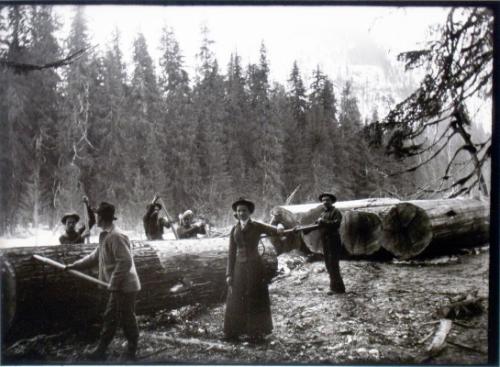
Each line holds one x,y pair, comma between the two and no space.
435,227
355,243
37,296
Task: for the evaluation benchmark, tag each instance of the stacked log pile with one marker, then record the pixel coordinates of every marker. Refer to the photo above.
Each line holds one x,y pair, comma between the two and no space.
380,227
364,231
173,274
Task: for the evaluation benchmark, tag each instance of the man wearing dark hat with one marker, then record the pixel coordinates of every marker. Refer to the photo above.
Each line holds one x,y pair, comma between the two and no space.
116,265
329,223
72,236
153,222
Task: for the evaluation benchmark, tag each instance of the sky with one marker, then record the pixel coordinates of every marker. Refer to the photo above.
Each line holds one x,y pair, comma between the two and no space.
310,35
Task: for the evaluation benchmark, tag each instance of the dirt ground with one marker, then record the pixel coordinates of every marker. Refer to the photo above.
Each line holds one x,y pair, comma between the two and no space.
388,315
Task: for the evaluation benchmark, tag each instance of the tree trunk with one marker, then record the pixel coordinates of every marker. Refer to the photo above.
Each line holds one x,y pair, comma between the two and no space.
435,227
173,274
362,232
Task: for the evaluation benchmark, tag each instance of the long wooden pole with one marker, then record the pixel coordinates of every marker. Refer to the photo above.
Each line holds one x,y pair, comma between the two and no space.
86,216
172,226
76,273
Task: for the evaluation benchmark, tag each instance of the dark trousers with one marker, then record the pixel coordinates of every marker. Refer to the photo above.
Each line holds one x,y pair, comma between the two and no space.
332,247
120,309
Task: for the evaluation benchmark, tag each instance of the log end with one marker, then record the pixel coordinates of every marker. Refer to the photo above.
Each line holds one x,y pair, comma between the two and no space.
361,232
407,230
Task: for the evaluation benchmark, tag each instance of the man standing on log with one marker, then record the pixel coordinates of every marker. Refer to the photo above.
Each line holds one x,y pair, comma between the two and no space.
329,223
188,229
153,222
72,236
116,265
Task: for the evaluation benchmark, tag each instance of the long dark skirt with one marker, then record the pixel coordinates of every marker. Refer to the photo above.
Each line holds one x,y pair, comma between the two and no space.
248,308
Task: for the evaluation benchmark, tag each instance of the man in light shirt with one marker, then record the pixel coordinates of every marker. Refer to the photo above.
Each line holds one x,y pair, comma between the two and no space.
116,265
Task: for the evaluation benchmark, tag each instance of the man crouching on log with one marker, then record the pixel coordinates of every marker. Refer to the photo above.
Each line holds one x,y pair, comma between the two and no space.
117,268
329,223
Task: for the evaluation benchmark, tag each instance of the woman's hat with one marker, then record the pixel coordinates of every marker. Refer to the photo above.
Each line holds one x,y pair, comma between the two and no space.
329,194
242,201
106,210
69,215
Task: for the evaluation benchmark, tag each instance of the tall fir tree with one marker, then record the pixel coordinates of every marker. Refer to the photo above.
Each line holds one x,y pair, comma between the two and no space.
322,133
208,102
43,113
298,151
355,156
237,107
179,126
14,143
144,107
269,143
73,132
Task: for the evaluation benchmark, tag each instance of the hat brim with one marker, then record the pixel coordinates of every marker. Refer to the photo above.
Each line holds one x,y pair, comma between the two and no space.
65,217
96,211
331,196
247,203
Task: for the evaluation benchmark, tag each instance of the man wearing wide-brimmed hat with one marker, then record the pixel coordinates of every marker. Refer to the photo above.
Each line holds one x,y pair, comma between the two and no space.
73,235
116,265
329,223
187,228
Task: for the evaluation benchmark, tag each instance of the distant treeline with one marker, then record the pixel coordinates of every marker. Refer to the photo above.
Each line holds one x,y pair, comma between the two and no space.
90,128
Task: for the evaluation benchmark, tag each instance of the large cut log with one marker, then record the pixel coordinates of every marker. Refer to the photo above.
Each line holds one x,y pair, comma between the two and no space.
362,234
435,227
172,273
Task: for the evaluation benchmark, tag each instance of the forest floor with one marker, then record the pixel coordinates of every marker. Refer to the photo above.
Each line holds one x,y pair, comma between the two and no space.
388,315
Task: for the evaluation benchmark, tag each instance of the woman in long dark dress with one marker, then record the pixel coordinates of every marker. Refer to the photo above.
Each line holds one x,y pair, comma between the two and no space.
248,308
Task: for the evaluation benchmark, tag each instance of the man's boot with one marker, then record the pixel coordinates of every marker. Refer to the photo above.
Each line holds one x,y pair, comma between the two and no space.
336,285
129,354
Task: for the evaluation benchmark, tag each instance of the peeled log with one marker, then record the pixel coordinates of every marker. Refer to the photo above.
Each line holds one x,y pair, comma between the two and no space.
172,273
435,227
303,214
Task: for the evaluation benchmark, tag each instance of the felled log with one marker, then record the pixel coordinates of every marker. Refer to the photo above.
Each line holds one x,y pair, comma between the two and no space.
358,244
435,227
172,274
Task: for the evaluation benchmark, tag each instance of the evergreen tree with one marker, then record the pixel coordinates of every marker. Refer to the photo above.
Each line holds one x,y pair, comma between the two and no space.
73,132
323,128
110,128
144,108
14,88
208,102
269,142
354,170
297,139
237,111
179,126
42,110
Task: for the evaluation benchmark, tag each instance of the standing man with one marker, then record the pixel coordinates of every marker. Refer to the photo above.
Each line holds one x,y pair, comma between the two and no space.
153,222
187,228
71,235
116,265
329,223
